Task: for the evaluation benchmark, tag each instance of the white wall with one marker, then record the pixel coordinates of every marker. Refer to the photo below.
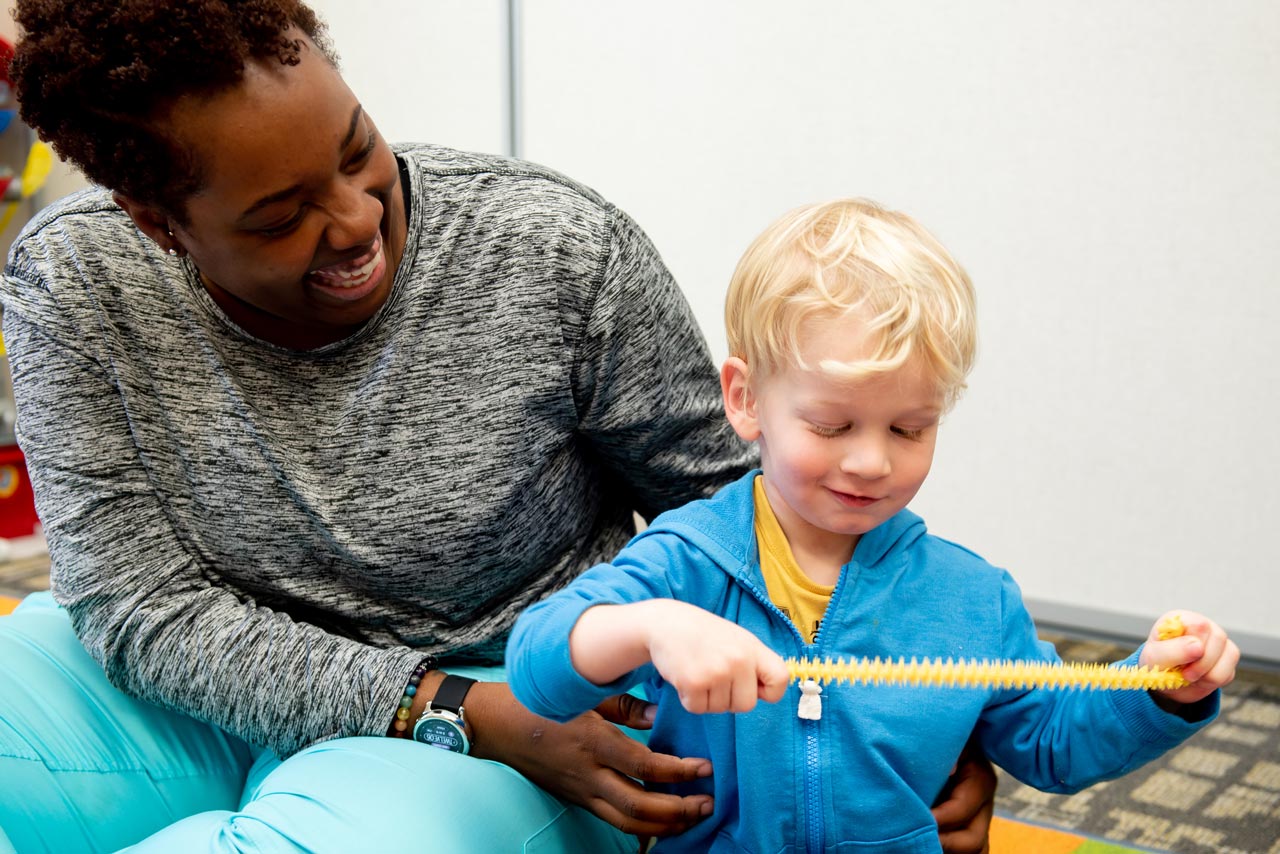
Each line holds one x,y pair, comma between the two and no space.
426,70
1108,172
1110,175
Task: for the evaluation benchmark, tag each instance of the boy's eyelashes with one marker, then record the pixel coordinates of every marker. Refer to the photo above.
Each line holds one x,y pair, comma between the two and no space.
829,432
912,433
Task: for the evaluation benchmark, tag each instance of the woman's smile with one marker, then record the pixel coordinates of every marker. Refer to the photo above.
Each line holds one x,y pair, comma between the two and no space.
351,281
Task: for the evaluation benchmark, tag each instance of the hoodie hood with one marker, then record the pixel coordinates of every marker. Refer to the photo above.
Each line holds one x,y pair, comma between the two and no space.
723,526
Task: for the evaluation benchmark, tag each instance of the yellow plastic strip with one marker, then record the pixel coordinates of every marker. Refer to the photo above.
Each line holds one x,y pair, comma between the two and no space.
939,673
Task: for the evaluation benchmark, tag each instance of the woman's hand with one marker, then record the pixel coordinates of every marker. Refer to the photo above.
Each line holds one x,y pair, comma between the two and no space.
589,761
964,813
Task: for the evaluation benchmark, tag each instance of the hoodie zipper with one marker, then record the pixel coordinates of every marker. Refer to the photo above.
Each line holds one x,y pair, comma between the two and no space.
815,832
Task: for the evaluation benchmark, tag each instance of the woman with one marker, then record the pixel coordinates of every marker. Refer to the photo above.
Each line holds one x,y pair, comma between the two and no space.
308,420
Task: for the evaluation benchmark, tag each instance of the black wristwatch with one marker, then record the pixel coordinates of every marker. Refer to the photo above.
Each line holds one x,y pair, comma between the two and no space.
443,724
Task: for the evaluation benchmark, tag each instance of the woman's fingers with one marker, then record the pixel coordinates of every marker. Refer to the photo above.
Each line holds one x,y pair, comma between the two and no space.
631,809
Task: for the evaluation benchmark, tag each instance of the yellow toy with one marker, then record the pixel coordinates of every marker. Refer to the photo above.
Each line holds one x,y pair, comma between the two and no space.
994,674
39,163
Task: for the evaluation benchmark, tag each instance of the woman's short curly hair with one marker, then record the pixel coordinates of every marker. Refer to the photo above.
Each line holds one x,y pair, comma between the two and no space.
97,78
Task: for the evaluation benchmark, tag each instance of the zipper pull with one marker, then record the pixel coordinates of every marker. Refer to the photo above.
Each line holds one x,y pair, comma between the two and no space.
810,700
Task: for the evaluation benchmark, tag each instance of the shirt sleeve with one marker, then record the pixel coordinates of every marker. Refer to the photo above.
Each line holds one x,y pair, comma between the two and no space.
646,388
134,588
1063,741
539,668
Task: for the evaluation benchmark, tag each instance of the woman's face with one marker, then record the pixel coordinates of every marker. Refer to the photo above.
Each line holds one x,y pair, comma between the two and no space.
300,223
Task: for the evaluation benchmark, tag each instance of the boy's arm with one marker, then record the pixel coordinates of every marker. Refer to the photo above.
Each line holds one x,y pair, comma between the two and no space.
715,665
1035,735
540,668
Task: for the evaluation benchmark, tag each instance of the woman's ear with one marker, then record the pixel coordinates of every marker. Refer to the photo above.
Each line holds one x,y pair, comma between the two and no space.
150,221
739,398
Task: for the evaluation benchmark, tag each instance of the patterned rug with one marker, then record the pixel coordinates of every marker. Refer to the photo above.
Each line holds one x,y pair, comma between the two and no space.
1219,793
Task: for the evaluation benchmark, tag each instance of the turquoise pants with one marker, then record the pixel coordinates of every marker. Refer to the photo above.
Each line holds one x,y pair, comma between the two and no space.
84,768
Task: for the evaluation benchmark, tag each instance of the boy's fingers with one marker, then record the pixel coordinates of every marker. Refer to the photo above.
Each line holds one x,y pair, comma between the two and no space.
720,696
1219,665
1173,653
744,695
1213,646
774,678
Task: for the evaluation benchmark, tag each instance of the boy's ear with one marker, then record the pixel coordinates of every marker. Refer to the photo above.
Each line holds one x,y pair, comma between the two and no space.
739,398
149,220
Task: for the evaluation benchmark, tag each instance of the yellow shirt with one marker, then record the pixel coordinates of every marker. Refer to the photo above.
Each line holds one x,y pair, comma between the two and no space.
803,600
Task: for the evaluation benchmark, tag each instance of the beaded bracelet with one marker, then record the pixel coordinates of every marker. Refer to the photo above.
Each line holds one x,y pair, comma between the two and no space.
400,728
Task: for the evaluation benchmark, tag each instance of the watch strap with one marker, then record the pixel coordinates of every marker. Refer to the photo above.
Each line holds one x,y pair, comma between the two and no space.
452,691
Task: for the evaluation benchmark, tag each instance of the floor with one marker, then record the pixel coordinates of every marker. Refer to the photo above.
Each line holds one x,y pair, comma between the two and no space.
1219,793
24,566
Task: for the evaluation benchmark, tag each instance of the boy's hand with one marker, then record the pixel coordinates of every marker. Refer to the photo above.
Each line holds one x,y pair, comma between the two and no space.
1208,658
714,665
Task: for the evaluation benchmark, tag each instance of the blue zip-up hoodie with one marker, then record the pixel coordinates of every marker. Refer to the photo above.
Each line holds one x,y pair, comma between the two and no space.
862,778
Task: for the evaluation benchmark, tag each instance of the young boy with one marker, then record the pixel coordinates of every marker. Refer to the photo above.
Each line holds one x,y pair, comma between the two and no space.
852,331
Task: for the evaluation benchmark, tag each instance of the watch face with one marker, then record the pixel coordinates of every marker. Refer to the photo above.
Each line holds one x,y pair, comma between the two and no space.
441,731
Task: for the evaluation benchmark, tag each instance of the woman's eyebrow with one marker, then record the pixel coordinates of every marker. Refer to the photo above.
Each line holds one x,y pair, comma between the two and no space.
281,195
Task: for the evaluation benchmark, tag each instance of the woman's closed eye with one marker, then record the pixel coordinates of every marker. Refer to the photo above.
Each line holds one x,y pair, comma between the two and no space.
358,159
281,227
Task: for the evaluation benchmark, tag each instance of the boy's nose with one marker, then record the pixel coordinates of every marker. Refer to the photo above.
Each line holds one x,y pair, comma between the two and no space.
867,459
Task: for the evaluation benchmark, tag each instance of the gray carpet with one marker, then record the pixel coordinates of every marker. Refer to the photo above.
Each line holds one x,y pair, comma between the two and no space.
1219,793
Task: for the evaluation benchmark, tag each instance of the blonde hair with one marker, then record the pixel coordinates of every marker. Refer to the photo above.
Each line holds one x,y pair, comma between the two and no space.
853,259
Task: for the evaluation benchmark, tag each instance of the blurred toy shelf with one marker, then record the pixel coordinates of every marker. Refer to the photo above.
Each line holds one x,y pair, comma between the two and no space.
25,163
24,567
24,556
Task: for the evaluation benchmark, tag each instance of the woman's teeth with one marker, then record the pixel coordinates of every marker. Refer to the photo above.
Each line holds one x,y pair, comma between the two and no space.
349,278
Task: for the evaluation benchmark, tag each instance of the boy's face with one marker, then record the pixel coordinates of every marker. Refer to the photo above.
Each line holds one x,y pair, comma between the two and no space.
842,457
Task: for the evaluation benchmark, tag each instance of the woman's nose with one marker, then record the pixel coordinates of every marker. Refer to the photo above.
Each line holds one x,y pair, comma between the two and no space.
354,218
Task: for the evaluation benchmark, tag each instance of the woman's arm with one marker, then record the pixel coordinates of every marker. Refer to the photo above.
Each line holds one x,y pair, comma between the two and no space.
648,392
136,591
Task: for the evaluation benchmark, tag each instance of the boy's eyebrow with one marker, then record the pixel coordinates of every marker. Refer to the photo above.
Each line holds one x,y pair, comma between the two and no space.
929,411
924,409
281,195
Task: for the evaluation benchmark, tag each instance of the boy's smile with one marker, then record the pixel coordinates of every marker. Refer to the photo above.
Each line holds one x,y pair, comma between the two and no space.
840,456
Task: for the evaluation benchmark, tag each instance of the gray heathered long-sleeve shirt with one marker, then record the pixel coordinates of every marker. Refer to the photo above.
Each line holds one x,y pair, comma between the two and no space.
261,537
